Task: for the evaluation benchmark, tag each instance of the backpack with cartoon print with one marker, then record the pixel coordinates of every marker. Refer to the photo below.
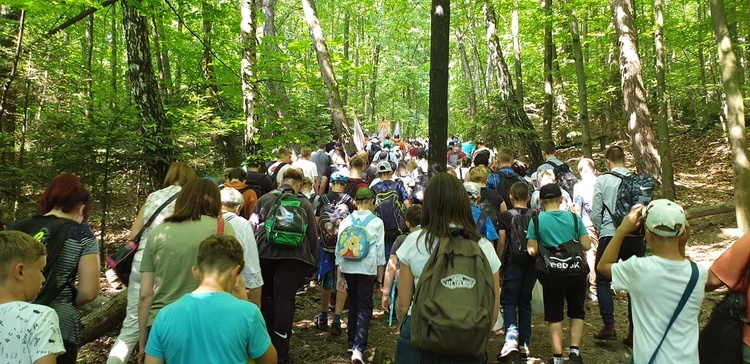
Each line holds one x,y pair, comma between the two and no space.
354,241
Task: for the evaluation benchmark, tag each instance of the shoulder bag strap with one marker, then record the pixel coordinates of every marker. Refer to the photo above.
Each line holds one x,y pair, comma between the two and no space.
536,230
575,224
685,295
220,226
154,215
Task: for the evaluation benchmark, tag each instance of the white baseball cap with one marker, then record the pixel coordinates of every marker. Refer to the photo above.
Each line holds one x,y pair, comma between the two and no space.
665,218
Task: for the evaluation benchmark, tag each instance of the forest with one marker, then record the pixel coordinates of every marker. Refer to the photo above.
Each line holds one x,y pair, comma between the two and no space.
115,91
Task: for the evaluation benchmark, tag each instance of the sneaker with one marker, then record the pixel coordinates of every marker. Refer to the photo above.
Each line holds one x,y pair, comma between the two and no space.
349,348
575,359
509,351
524,350
357,357
606,334
301,291
346,306
336,330
319,323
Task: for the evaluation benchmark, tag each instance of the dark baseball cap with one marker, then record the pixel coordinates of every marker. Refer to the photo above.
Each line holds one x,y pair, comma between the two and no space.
549,191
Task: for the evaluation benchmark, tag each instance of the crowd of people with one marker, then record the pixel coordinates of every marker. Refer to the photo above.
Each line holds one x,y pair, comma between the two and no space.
217,265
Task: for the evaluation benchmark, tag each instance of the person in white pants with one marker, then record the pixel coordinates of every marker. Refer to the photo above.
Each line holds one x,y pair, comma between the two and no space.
179,174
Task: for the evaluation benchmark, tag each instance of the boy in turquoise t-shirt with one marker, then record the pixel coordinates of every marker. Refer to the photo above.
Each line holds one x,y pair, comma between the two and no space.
555,228
209,325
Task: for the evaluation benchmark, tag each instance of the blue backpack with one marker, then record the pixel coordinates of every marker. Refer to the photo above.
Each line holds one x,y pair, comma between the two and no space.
354,242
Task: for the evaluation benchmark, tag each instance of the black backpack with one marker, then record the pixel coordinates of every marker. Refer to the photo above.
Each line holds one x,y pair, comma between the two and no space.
52,232
507,179
564,176
633,189
390,209
374,149
491,211
330,217
566,259
720,340
515,247
274,176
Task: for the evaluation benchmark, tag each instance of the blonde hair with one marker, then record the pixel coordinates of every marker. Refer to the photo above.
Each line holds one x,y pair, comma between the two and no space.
18,247
478,175
231,198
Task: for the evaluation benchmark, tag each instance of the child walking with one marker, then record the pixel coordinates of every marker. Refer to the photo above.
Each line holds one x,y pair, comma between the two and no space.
360,256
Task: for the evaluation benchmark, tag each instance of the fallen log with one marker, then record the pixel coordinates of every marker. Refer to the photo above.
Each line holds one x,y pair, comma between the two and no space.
104,318
703,211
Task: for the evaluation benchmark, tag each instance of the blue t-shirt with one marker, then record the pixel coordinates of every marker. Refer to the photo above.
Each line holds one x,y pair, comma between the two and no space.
487,229
556,227
211,327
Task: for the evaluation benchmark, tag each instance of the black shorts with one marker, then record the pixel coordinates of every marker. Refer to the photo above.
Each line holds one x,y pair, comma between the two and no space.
559,289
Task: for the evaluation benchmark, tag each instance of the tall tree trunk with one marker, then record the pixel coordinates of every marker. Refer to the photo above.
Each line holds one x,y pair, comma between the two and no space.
279,97
158,149
561,100
438,105
162,57
661,84
345,77
517,52
88,57
705,117
209,76
248,34
114,55
640,126
516,115
583,106
467,75
374,83
329,77
8,72
735,114
548,82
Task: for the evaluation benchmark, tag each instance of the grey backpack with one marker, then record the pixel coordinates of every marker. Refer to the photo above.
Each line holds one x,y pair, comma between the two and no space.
454,301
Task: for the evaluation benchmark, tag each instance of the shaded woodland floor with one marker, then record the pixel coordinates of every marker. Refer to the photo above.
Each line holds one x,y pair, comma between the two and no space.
703,176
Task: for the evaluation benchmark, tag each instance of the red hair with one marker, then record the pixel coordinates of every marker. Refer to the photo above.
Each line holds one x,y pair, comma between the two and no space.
66,193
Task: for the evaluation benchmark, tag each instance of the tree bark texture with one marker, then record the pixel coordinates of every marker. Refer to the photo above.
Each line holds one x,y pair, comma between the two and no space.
329,77
438,105
104,319
162,56
89,56
8,72
467,74
158,148
279,98
667,169
583,106
249,69
345,76
640,126
735,114
517,53
548,83
517,117
114,55
374,84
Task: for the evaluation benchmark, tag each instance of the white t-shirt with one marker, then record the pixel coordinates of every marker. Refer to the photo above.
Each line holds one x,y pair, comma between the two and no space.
245,234
655,285
309,169
414,254
376,256
29,332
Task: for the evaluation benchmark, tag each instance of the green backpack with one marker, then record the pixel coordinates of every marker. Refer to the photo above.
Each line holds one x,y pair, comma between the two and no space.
286,223
454,301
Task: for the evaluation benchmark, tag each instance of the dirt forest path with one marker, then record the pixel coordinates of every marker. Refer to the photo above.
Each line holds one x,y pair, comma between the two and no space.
704,177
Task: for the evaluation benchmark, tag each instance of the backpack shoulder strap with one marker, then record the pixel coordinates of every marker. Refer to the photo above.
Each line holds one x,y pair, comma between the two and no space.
618,175
683,300
325,198
575,226
367,220
536,230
